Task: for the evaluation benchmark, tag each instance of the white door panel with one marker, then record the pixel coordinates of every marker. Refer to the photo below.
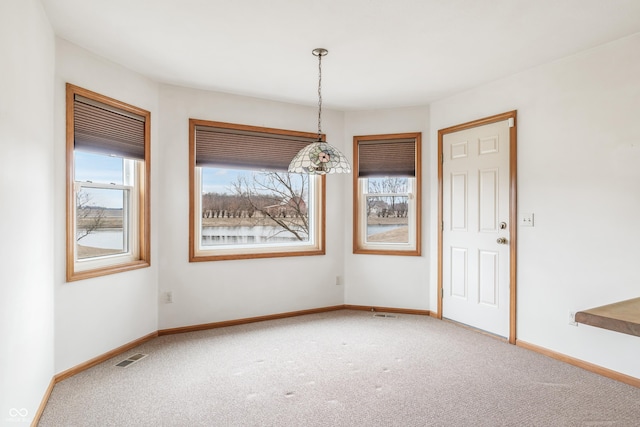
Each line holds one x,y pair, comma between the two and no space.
475,266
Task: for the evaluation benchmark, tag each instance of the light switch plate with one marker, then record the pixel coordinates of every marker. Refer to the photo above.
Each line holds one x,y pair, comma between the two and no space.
526,220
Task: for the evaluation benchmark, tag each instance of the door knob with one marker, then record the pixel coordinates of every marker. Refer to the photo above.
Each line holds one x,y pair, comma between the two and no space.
502,240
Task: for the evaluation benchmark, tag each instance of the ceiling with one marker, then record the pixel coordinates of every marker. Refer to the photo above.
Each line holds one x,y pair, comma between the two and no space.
382,53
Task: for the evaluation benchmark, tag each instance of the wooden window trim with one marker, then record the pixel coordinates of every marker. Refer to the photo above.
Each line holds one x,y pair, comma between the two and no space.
357,247
144,216
267,253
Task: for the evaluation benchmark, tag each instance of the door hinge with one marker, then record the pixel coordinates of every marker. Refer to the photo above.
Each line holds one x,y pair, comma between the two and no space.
442,158
511,122
441,293
442,226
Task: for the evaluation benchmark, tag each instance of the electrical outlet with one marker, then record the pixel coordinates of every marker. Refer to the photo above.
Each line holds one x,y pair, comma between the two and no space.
572,318
338,280
168,297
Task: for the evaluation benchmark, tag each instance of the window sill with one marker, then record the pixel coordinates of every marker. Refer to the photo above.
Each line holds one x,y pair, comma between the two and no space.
112,269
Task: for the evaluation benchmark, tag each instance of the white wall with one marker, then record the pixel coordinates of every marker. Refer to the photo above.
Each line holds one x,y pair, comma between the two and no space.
94,316
205,292
380,280
579,173
26,197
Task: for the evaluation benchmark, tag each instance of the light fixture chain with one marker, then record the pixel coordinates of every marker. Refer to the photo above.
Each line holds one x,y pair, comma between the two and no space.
319,97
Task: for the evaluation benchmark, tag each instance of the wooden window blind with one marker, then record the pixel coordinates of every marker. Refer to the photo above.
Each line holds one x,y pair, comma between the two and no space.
246,147
392,157
104,129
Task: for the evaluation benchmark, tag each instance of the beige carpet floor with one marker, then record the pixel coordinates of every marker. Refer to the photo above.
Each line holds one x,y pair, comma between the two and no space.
343,368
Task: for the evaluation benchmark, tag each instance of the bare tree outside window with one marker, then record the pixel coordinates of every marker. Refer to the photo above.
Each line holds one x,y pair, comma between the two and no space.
99,222
89,217
387,204
387,209
273,204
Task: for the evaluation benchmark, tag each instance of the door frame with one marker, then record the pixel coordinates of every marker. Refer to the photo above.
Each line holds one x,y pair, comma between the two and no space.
513,209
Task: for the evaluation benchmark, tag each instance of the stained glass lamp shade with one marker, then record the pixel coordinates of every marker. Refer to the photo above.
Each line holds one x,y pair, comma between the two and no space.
319,158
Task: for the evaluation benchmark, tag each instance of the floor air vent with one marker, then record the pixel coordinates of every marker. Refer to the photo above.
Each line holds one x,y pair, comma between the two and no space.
131,360
393,316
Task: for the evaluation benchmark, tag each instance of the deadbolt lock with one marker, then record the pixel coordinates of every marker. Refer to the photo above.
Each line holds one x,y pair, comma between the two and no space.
503,225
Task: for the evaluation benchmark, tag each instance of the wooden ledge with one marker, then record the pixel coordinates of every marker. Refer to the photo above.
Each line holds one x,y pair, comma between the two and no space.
623,316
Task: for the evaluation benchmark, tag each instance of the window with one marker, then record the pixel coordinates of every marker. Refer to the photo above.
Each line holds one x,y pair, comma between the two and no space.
386,188
107,185
243,202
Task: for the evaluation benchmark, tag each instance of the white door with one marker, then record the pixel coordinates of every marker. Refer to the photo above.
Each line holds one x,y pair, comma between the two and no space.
475,229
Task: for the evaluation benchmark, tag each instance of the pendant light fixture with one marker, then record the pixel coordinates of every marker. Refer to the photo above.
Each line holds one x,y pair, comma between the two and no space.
319,158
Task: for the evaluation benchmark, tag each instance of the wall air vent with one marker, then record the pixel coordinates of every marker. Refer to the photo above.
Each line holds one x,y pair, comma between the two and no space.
392,316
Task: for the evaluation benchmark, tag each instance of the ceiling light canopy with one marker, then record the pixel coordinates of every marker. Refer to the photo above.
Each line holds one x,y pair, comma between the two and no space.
320,157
